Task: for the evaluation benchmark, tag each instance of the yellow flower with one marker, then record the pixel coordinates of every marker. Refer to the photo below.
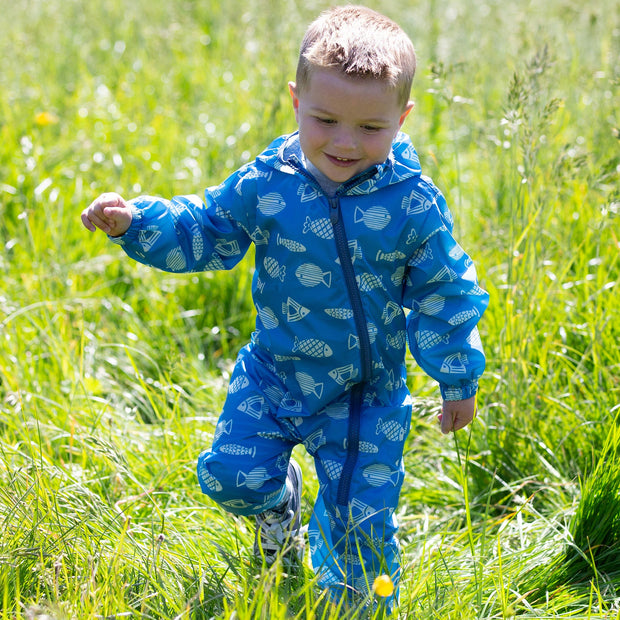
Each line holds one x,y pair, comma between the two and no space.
383,586
43,119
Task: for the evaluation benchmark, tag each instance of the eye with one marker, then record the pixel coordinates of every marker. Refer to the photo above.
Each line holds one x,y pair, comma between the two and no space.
325,120
371,128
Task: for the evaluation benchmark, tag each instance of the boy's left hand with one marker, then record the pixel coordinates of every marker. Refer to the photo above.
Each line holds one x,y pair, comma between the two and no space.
457,414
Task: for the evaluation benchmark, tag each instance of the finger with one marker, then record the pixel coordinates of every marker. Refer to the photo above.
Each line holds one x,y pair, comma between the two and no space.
447,423
95,219
87,223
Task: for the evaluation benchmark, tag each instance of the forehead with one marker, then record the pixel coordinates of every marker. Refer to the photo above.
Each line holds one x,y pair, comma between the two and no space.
332,91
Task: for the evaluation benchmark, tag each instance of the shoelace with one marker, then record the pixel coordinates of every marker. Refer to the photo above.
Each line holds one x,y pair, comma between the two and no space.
275,531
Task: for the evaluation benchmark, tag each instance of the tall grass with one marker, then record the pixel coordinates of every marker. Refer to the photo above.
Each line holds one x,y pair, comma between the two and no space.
112,374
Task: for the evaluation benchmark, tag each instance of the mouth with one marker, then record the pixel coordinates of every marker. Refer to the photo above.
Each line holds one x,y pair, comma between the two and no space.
341,161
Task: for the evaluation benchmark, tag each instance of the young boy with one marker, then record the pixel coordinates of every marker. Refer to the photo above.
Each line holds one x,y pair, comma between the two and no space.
354,258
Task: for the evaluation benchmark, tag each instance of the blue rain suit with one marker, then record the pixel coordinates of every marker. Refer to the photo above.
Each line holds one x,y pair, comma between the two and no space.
341,285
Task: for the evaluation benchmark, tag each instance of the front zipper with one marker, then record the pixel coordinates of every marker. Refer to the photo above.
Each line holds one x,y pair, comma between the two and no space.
353,433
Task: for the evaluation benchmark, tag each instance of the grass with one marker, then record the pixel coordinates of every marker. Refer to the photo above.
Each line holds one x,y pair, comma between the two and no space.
112,374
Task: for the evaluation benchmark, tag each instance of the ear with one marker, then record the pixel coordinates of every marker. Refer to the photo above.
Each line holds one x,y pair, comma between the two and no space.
292,89
410,105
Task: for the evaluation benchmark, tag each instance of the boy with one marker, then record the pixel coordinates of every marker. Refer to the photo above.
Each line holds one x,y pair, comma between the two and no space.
348,236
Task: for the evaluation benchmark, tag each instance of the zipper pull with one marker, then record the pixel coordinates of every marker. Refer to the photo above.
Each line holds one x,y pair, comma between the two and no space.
333,211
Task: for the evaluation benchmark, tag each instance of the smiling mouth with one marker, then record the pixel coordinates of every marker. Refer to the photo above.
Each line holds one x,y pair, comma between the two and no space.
342,160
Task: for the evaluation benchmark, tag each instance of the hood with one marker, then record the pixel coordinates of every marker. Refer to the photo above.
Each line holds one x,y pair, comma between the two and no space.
284,154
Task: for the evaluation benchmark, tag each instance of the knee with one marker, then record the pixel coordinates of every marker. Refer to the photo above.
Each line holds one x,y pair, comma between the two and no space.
238,490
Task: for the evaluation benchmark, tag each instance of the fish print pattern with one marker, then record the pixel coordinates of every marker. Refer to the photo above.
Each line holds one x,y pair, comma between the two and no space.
294,311
311,275
392,430
375,218
321,227
271,203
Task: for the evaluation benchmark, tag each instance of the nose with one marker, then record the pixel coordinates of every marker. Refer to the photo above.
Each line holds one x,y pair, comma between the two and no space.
345,138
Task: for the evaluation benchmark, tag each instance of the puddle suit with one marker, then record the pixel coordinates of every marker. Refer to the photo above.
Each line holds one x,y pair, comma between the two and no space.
341,285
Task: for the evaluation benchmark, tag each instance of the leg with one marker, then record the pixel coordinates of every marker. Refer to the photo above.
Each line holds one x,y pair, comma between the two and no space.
246,468
354,541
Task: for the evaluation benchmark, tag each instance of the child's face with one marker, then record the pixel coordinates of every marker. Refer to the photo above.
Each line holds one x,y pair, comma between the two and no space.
346,124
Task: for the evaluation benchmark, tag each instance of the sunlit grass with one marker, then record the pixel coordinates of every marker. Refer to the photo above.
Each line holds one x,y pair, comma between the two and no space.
112,374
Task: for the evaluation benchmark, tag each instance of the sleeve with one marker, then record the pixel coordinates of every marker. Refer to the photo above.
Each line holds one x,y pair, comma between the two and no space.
446,302
187,234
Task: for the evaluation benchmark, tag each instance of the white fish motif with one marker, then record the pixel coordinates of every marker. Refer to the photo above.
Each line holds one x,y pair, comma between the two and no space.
340,313
227,248
390,257
355,250
473,340
274,269
454,364
308,385
375,218
315,440
398,276
290,244
421,255
462,317
254,479
148,238
390,312
344,374
321,227
333,469
312,347
254,406
353,342
456,253
239,383
259,236
392,430
430,305
175,261
307,193
294,311
215,264
337,411
268,317
238,450
368,282
397,340
271,203
311,275
427,339
271,435
368,447
372,332
236,504
222,428
212,483
416,203
445,274
378,474
198,245
288,403
360,510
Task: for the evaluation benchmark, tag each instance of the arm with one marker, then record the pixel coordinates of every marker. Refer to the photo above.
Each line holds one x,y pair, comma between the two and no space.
442,291
184,234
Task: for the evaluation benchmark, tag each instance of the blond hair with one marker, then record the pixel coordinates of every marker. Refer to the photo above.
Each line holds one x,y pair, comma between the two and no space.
360,43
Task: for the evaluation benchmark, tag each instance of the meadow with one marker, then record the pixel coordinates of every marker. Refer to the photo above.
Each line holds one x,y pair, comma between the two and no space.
112,374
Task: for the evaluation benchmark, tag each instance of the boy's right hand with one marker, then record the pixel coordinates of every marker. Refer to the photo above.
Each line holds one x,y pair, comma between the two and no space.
110,213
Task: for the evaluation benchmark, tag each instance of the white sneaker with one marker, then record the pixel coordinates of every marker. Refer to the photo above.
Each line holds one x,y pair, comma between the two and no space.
279,531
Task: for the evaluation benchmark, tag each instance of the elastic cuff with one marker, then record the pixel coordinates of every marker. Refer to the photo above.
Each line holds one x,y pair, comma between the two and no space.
458,392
